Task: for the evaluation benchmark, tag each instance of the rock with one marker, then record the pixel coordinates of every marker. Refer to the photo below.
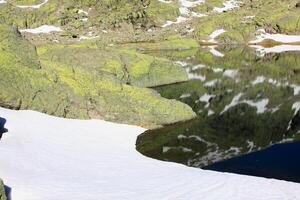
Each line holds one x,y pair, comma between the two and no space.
298,5
2,191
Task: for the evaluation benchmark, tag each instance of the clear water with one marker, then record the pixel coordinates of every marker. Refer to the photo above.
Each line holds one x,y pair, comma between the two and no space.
245,103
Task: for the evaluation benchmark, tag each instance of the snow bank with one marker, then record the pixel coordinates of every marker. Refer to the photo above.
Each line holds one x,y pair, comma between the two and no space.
33,6
42,29
46,158
281,38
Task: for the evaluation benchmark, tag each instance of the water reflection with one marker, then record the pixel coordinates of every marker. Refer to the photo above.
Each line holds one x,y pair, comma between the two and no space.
244,101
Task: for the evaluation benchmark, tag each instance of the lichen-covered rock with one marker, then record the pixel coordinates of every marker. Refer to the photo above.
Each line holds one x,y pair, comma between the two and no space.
84,81
2,192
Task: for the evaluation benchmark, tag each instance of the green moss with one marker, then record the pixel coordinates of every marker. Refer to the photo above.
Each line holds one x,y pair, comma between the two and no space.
2,192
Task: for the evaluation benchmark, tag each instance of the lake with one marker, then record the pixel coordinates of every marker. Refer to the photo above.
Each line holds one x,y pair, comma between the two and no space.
245,102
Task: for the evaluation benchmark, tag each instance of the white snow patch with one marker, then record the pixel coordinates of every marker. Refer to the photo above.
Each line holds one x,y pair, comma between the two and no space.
185,95
210,112
82,11
33,6
45,157
215,52
182,63
165,1
276,37
185,12
261,106
234,102
228,5
231,73
211,83
42,29
258,80
296,89
206,97
2,1
215,34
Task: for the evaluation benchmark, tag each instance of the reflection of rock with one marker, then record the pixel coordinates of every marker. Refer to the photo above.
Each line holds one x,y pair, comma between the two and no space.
2,192
249,116
207,140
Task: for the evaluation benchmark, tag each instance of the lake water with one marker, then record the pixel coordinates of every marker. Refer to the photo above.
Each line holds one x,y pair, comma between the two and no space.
245,102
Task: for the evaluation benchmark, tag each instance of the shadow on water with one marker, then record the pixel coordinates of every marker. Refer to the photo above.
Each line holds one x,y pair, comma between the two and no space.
8,192
280,161
244,103
2,127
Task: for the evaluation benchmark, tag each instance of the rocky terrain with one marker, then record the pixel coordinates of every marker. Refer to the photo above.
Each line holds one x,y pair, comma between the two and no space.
88,59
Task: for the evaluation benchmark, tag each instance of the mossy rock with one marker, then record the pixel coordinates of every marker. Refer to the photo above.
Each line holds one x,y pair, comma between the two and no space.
2,191
88,87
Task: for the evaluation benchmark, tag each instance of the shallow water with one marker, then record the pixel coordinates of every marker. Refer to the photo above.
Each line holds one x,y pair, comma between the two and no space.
245,103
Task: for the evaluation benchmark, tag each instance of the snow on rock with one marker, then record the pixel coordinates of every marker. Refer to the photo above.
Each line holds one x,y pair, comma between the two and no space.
228,5
42,29
165,1
258,80
33,6
231,73
235,101
185,12
211,83
215,34
261,106
45,157
281,38
178,20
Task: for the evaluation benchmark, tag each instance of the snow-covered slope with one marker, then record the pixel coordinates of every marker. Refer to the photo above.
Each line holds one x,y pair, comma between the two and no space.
47,158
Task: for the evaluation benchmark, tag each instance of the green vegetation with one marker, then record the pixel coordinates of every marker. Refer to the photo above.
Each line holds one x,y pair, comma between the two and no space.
2,192
85,81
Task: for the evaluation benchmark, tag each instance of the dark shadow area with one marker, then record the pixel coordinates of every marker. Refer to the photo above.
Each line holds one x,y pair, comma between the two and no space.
7,192
2,128
280,161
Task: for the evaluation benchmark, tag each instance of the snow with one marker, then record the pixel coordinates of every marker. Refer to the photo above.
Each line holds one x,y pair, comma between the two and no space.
2,1
234,102
286,39
211,83
45,158
258,80
215,52
276,49
231,73
261,106
33,6
185,12
228,5
165,1
215,34
42,29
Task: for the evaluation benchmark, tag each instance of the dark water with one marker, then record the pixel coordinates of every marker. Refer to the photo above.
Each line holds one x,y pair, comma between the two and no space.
281,161
245,103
